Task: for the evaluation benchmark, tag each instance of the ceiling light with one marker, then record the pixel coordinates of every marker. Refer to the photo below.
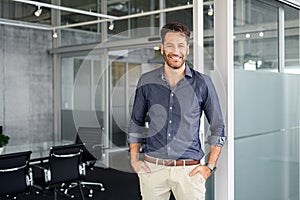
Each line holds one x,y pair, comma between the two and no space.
210,11
54,35
156,48
38,12
261,34
111,26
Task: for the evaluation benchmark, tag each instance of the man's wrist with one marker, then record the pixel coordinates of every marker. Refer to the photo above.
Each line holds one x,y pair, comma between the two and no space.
211,167
134,160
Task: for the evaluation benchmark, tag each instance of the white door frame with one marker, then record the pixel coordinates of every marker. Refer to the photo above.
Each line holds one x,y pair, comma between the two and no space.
223,63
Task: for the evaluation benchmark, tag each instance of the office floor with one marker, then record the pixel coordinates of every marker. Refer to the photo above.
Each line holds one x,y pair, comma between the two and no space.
118,186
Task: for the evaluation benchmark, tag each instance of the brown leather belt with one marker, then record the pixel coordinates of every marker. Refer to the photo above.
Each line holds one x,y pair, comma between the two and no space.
171,162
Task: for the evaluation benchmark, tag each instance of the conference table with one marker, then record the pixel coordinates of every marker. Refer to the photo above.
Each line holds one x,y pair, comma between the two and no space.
40,150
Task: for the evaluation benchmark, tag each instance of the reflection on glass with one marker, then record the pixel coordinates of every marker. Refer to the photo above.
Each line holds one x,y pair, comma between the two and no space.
182,16
292,59
126,68
256,37
82,99
267,117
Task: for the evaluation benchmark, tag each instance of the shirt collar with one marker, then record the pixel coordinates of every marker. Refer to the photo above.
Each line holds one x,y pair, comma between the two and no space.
188,72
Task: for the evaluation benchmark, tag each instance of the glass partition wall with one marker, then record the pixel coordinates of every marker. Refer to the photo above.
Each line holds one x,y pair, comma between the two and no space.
82,99
98,86
100,94
267,103
266,84
84,95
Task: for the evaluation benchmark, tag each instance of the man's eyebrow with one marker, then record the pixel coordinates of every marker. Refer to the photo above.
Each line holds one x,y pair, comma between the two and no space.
175,43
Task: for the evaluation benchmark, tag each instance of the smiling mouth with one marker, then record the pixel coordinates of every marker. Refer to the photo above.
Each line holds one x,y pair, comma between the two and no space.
175,58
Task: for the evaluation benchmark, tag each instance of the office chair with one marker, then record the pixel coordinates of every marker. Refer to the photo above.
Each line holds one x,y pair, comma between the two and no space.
93,148
64,167
15,174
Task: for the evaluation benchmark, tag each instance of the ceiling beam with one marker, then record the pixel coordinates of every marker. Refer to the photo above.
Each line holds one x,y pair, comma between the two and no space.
25,24
83,12
142,14
112,18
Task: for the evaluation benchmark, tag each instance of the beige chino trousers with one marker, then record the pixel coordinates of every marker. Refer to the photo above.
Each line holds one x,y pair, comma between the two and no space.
158,184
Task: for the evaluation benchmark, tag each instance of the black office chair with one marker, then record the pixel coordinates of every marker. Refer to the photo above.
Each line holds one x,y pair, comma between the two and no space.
15,174
64,167
93,148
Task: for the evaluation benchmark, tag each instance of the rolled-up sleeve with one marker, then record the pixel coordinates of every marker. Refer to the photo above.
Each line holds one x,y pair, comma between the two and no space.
214,115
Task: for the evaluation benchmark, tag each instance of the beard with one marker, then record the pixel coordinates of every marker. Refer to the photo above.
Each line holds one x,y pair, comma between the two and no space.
174,61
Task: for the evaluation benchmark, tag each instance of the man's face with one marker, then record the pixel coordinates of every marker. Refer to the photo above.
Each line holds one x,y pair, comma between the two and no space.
175,49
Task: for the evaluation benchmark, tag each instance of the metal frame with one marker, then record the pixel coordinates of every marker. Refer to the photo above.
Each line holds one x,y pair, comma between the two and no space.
108,18
46,5
293,3
281,40
14,168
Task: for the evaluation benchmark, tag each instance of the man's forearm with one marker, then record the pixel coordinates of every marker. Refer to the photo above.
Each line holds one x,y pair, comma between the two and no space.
134,151
214,155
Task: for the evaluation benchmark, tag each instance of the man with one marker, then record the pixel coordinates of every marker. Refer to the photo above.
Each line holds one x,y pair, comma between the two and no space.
173,98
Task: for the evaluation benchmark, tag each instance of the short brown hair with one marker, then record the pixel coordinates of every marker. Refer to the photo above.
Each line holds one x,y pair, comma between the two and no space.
174,27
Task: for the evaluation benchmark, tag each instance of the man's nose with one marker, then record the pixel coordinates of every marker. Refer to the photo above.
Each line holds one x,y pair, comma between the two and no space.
176,49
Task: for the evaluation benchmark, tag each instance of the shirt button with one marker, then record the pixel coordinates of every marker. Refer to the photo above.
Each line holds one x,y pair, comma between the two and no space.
172,94
169,148
170,121
169,134
171,108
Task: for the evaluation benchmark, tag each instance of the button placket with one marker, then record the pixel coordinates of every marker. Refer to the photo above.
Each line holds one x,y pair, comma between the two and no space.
170,125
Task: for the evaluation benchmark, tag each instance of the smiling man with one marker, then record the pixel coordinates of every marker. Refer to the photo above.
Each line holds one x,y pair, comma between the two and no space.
173,97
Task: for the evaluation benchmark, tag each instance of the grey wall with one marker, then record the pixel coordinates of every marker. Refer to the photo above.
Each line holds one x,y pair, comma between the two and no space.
77,37
26,98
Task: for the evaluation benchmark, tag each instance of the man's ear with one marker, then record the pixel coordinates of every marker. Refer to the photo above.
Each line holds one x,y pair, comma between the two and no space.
162,49
188,49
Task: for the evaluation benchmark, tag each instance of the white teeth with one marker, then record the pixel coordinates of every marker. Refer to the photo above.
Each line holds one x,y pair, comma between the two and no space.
175,57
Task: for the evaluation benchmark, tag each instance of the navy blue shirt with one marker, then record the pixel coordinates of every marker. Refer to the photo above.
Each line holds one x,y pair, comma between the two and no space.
174,115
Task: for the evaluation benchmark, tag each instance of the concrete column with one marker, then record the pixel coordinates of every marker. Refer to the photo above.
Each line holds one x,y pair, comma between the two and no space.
55,21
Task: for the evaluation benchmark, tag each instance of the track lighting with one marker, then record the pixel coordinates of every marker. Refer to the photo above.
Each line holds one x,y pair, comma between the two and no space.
38,12
111,26
261,34
210,11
